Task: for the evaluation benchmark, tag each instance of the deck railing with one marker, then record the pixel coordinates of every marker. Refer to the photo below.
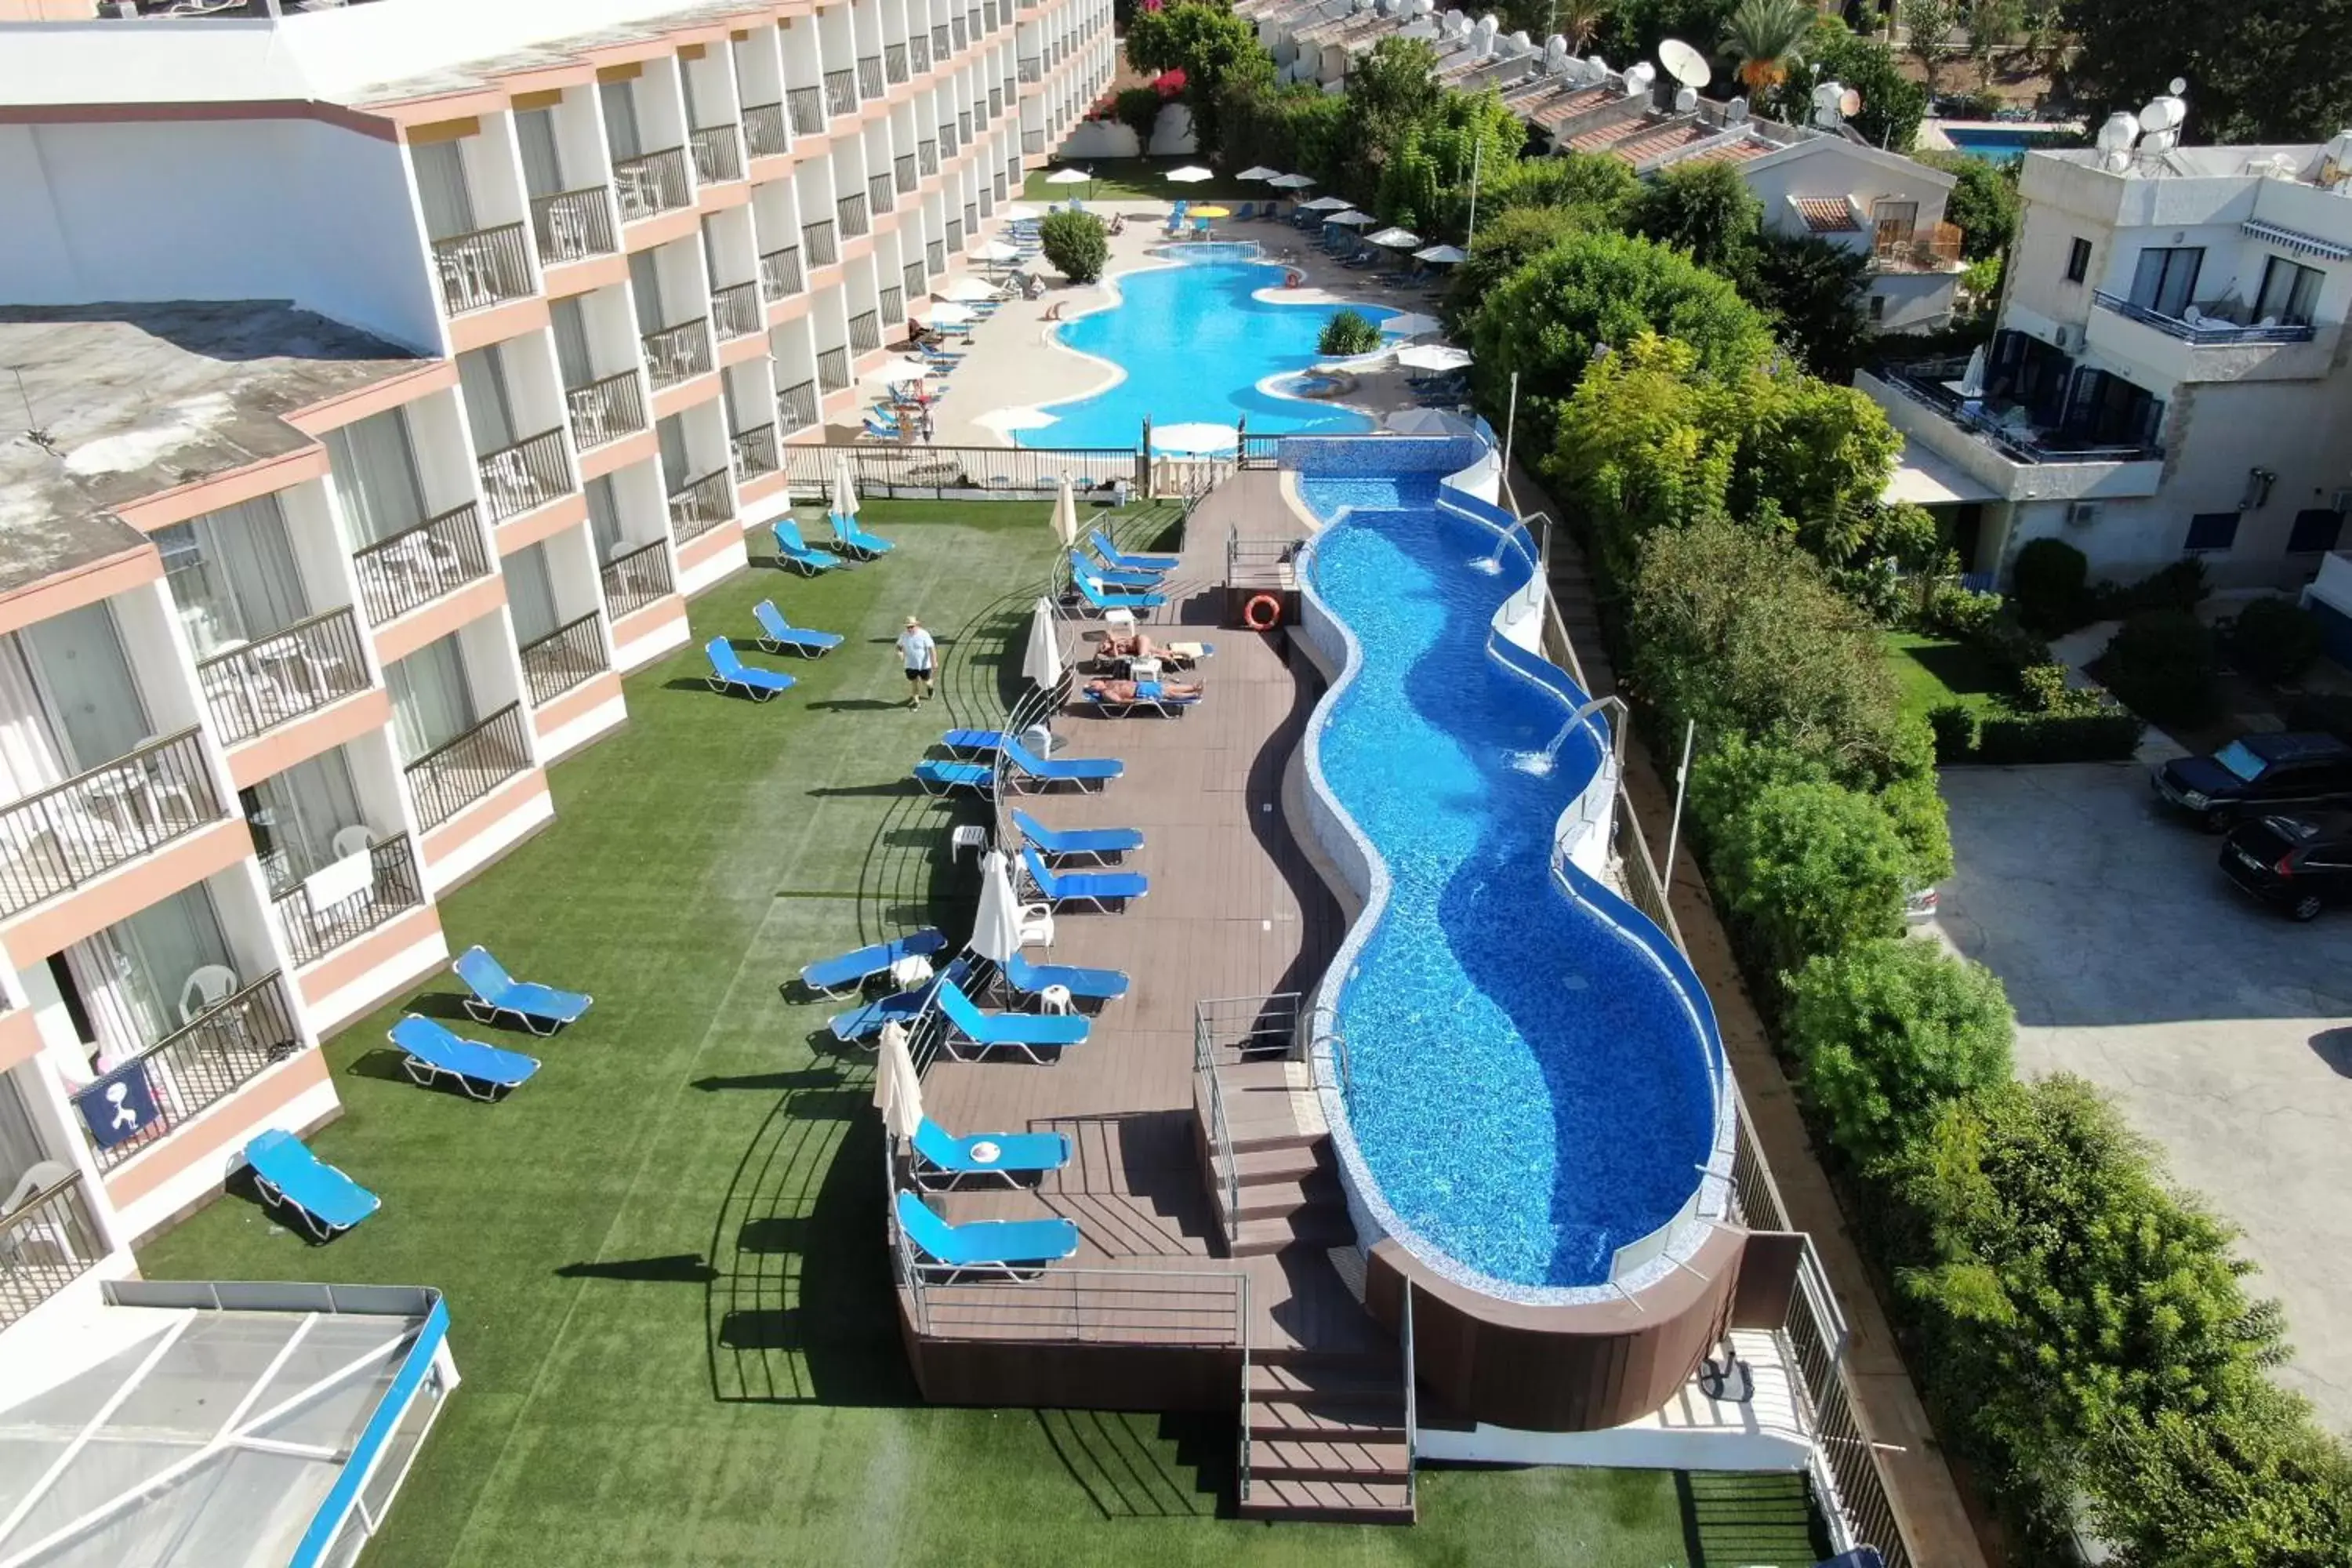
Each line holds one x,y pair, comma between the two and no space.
717,153
882,191
753,452
419,564
2208,330
701,506
604,411
796,407
942,43
780,273
816,242
952,234
218,1052
958,33
484,268
1030,69
284,675
841,93
833,369
572,225
47,1243
851,212
894,63
764,132
532,472
652,183
865,333
735,309
869,77
678,353
562,658
313,930
1412,1402
77,830
918,54
1196,1306
452,776
636,578
947,139
891,302
806,105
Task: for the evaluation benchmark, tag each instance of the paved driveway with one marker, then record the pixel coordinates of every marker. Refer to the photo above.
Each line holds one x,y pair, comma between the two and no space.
2224,1031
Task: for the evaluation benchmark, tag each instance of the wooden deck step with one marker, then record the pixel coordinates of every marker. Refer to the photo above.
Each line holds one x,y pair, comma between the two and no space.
1315,1420
1279,1199
1320,1224
1363,1380
1327,1502
1278,1162
1336,1459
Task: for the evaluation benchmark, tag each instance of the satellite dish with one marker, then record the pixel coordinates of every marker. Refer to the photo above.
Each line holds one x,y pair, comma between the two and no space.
1683,63
2177,86
1736,112
1686,100
1849,103
1596,69
1826,95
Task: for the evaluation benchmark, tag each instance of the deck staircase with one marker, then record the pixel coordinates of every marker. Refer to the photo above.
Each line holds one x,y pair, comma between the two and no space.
1327,1439
1278,1186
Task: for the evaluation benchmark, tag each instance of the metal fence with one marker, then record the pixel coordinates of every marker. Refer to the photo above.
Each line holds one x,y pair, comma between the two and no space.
735,310
284,675
780,273
902,170
833,369
678,353
764,135
935,473
806,105
219,1051
881,194
717,153
865,331
701,506
314,931
816,242
562,660
840,92
605,411
893,302
635,579
419,564
483,268
447,779
796,407
870,76
572,225
47,1243
75,831
927,157
894,63
850,212
653,184
918,54
532,472
1237,1029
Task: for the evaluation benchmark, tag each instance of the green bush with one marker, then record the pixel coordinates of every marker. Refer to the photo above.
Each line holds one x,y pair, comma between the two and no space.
1887,1031
1953,611
2162,664
2179,586
1955,728
1076,244
2273,641
2011,648
1810,869
2041,687
2051,578
1347,334
2255,1482
2107,735
1138,109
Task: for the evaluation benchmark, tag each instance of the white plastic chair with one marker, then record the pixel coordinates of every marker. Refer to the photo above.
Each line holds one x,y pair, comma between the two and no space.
351,841
206,988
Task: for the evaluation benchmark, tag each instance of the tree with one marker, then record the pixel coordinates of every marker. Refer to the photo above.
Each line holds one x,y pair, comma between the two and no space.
1890,1030
1808,869
1503,246
1703,209
2253,1484
1592,184
1892,103
1213,47
1812,292
1075,243
2267,71
1928,32
1392,86
1983,204
1634,27
1138,109
1767,38
1991,23
1347,333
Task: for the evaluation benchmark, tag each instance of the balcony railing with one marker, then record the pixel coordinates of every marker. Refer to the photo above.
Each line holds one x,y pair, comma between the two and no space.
988,16
841,93
942,45
220,1051
961,33
532,472
914,281
995,101
1935,250
1012,92
562,659
47,1243
717,153
947,139
869,77
816,240
314,929
865,333
918,54
851,210
963,127
604,411
894,63
1029,67
953,234
780,273
833,369
796,407
2206,331
1925,381
701,506
77,831
927,158
893,300
935,257
971,219
753,452
902,171
678,352
283,676
807,107
764,133
735,310
882,193
447,779
484,268
971,22
573,226
653,184
421,564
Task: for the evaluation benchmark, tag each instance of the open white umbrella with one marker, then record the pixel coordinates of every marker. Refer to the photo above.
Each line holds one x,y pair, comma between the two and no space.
1069,177
969,288
946,313
1432,356
1428,422
900,367
1395,239
996,929
844,488
1412,324
1065,515
1042,663
1291,183
995,250
1259,171
1187,441
1327,205
1190,175
898,1090
1440,255
1019,212
1352,219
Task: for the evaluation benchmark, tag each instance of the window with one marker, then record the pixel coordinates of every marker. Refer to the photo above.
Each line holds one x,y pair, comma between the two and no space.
2165,279
2315,528
1878,307
2290,293
2211,530
2078,260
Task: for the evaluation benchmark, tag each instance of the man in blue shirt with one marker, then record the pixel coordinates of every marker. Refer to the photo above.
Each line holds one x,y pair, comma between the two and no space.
920,653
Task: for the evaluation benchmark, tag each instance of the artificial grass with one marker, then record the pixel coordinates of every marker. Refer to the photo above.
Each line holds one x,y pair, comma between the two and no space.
664,1256
1931,672
1141,179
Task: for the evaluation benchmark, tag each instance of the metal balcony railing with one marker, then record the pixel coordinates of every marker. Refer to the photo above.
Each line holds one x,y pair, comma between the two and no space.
916,283
420,565
1029,68
47,1243
918,54
77,831
717,153
995,101
971,219
484,268
2206,331
961,33
935,257
954,234
881,194
1012,90
816,241
989,16
780,273
869,77
833,369
841,93
894,63
678,352
971,22
865,333
637,578
963,129
764,132
942,45
532,472
701,506
806,105
656,183
851,210
753,452
796,407
893,301
927,158
947,139
220,1051
562,658
447,779
902,171
313,929
283,676
604,411
573,226
735,309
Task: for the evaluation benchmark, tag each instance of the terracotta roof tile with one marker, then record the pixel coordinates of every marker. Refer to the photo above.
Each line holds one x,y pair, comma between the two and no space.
1825,215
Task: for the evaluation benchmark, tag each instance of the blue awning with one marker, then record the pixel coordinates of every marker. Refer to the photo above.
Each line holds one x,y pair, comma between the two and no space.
2295,240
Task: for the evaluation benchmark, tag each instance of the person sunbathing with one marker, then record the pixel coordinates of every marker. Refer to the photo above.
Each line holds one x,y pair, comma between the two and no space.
1141,645
1125,690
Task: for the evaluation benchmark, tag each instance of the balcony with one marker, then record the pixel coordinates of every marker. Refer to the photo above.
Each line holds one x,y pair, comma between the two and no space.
753,452
963,129
816,241
927,158
1936,249
971,219
807,107
1029,69
314,928
299,671
484,268
780,273
2000,445
1011,91
840,92
678,353
717,153
447,779
972,24
893,301
527,475
764,132
942,45
882,192
869,77
959,33
701,506
604,411
75,832
573,226
735,310
952,232
219,1051
420,565
47,1243
915,282
851,210
918,54
651,184
947,139
562,658
935,257
865,333
2205,331
833,369
796,407
636,579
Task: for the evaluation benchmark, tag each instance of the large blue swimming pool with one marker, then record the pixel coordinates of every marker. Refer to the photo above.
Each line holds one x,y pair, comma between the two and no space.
1194,343
1530,1086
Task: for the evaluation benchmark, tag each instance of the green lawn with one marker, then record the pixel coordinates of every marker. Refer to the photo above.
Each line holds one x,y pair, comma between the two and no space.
1139,179
664,1256
1934,671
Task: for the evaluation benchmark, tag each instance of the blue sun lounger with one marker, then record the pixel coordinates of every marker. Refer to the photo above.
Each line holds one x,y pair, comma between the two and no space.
849,536
1112,576
1092,589
942,1157
1080,771
1004,1248
728,671
863,1022
1087,985
1028,1033
972,743
1158,566
326,1201
495,992
1100,889
1149,694
435,1052
851,969
793,550
777,634
939,776
1097,844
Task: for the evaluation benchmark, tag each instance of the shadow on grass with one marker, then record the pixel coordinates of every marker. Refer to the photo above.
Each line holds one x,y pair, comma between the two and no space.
855,705
1748,1520
1961,668
773,1082
671,1268
1119,1460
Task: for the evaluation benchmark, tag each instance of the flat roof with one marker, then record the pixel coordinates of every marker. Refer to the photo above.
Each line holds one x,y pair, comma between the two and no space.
121,402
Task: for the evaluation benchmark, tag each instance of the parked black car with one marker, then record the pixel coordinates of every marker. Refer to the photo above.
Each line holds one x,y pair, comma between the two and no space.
2259,774
2298,864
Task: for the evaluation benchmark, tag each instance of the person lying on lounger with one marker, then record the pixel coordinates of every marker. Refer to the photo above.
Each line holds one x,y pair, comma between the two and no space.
1141,645
1125,690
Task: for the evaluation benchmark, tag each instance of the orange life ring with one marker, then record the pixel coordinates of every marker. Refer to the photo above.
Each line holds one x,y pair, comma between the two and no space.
1272,608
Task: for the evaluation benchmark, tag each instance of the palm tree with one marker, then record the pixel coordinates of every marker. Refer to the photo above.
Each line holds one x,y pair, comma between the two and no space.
1578,20
1768,36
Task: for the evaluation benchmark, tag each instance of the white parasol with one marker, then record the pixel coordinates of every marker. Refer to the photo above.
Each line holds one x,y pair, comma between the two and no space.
900,367
970,289
1042,664
947,313
1428,422
1327,205
1069,177
1290,182
996,930
1019,212
995,250
1190,175
1395,240
1065,515
1259,171
1352,219
1440,255
1413,324
898,1090
1432,356
844,488
1186,440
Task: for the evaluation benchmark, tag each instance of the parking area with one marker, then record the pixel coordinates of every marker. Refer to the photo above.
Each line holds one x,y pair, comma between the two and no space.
2223,1030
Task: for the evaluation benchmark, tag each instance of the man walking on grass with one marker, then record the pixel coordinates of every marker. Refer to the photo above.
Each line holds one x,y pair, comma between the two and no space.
920,654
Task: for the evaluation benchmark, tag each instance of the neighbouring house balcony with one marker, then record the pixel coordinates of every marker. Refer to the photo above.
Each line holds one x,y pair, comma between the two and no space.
702,505
420,565
817,243
942,43
1029,67
604,411
833,369
894,63
323,911
75,832
562,660
653,184
952,234
717,153
2205,343
796,407
1936,249
753,452
2197,326
869,77
2001,446
851,212
807,106
447,779
636,579
735,310
882,192
532,472
573,226
678,353
486,267
780,273
217,1052
260,685
764,132
865,333
47,1243
947,139
841,93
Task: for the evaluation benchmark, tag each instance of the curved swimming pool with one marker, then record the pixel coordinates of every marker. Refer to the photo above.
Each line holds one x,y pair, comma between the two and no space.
1532,1079
1195,342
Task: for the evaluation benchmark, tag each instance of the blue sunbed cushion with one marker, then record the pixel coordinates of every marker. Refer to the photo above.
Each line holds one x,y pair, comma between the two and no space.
1063,767
831,973
1058,886
942,774
286,1162
983,1243
778,629
488,980
729,668
437,1046
1096,984
1009,1028
1078,840
1014,1152
972,740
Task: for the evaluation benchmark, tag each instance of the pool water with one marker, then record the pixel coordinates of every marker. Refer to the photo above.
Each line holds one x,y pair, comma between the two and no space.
1528,1088
1194,344
1994,146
